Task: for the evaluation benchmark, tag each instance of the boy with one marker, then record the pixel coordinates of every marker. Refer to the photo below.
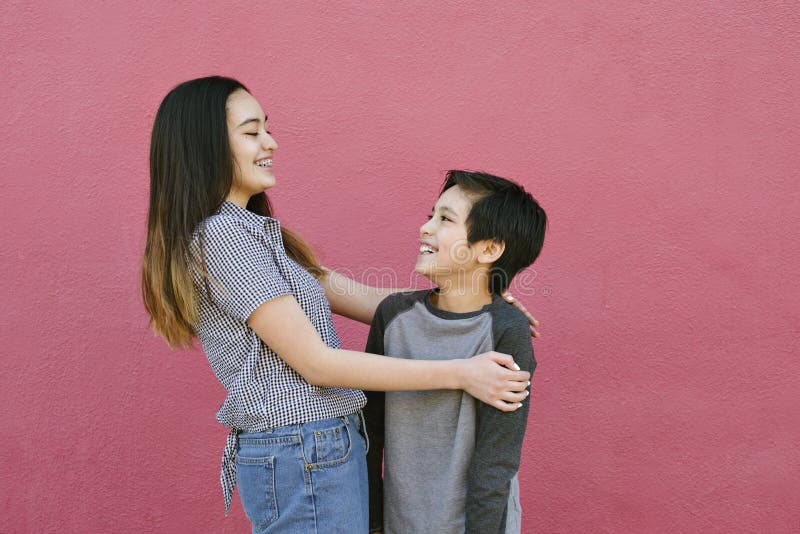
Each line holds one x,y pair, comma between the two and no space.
451,462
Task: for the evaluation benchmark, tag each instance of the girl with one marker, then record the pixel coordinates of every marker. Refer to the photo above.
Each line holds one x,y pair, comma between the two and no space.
219,268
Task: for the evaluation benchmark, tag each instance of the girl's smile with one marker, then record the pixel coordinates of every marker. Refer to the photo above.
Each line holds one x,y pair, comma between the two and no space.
251,144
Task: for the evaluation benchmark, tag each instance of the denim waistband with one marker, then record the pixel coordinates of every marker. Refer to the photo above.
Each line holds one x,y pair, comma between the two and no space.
227,476
356,418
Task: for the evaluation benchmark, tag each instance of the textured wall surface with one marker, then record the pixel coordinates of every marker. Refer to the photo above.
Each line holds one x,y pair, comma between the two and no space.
662,138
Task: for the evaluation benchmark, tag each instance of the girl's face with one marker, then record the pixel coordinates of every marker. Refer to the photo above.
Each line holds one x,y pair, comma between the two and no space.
252,147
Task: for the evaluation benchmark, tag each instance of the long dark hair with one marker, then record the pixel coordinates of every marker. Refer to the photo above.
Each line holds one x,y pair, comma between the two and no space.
191,174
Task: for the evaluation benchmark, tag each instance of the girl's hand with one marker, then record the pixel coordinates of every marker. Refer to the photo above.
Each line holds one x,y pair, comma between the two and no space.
518,305
494,378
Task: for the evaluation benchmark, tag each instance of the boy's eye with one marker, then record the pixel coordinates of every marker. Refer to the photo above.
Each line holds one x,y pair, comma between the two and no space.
254,134
430,216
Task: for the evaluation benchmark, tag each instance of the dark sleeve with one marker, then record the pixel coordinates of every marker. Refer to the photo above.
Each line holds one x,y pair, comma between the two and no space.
373,414
498,442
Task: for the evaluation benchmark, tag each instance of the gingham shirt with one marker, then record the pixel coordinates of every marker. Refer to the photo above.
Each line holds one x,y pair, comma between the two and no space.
248,266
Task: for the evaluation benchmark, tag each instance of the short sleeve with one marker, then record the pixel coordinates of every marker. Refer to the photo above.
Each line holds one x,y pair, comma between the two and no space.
241,267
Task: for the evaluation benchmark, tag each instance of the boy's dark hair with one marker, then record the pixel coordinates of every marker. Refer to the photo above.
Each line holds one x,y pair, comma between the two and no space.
502,211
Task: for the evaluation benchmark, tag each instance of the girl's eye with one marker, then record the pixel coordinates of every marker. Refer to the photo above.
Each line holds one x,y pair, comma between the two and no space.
254,134
443,218
270,133
430,217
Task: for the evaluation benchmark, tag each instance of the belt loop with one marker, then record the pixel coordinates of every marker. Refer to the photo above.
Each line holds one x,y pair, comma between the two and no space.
362,422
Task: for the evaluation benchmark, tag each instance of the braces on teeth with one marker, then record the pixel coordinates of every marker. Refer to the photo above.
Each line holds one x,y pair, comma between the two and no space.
267,163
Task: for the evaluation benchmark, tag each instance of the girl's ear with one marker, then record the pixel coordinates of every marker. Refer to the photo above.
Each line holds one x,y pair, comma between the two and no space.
489,251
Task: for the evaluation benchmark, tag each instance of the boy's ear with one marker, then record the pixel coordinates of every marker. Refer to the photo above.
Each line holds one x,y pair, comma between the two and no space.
489,251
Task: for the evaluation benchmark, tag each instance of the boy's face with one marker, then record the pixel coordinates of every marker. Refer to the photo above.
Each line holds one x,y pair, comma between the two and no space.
444,250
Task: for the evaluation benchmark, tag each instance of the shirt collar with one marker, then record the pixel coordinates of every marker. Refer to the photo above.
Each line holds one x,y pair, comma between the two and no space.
229,208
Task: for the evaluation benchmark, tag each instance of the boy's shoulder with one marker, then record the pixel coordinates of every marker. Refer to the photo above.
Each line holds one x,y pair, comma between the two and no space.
400,301
512,334
507,317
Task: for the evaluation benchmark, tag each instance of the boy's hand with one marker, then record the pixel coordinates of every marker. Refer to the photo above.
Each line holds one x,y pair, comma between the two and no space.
494,378
518,305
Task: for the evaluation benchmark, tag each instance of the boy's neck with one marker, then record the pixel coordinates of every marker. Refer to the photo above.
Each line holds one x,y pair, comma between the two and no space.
462,297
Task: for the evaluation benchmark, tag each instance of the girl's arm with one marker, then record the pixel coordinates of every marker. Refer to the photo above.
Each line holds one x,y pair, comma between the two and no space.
350,298
359,302
282,325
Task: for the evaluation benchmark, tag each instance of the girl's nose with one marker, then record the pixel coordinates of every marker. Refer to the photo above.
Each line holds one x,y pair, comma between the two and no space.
269,142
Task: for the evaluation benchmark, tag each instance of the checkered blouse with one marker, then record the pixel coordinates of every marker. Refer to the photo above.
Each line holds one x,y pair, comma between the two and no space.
248,266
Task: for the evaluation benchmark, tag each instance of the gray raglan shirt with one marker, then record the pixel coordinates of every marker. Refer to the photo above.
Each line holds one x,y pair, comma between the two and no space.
450,461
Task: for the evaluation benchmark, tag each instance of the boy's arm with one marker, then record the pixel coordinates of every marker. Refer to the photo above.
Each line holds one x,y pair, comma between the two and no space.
498,445
373,415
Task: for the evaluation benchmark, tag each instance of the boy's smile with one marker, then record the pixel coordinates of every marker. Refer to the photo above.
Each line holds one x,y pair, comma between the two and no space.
444,250
425,248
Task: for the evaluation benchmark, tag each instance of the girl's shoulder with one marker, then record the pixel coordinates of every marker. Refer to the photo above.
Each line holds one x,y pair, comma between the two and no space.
222,224
227,232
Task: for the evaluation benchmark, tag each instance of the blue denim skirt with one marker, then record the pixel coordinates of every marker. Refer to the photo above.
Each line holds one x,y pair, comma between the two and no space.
305,478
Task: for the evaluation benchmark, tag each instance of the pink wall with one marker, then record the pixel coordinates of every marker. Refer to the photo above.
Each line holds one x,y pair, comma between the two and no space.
661,138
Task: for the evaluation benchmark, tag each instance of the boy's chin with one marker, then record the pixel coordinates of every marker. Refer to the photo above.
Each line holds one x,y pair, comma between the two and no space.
425,270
